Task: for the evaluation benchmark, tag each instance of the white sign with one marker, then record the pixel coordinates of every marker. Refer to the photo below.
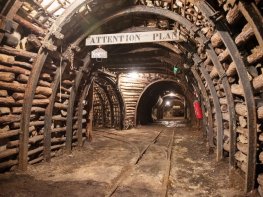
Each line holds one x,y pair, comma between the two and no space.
99,53
134,37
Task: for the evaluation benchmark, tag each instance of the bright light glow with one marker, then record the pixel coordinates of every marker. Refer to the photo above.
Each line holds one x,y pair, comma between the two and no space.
133,75
167,103
172,94
176,107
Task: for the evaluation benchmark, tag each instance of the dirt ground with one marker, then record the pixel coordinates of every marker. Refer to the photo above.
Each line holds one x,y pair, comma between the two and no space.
112,164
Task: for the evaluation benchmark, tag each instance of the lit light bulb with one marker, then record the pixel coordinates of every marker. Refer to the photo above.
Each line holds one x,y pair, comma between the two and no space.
133,75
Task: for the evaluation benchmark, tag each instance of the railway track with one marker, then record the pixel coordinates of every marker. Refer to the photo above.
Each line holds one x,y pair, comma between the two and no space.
161,138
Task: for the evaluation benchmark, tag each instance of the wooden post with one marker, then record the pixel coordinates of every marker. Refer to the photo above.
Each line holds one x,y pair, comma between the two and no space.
70,109
49,112
14,8
90,114
23,22
80,113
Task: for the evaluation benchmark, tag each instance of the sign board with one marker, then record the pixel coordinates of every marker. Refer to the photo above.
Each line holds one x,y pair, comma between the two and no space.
99,53
134,37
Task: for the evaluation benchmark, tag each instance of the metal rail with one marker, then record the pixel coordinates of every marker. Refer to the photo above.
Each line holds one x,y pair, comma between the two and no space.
128,169
230,105
219,147
168,168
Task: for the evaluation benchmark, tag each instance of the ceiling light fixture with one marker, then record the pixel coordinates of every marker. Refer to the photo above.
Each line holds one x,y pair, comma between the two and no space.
167,103
133,75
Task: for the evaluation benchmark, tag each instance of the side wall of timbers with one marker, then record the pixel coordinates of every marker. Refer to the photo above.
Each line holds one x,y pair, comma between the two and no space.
19,67
26,85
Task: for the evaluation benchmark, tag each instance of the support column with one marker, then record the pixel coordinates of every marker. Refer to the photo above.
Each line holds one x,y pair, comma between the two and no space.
90,112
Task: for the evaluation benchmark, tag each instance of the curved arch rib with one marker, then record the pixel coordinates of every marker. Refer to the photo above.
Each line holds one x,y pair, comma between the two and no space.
71,103
49,112
208,107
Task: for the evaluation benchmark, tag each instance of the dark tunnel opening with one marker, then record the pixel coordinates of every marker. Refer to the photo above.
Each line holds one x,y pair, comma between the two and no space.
172,108
158,102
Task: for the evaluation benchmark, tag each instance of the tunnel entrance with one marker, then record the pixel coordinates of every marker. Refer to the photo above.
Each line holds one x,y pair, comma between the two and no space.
169,107
161,100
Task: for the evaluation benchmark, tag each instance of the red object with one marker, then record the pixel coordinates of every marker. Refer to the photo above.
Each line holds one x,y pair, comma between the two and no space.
198,110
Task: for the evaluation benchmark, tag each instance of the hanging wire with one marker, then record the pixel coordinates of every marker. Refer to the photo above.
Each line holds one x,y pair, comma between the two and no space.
71,60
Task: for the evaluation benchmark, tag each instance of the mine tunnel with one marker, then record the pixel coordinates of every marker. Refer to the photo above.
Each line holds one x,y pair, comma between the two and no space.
159,101
131,98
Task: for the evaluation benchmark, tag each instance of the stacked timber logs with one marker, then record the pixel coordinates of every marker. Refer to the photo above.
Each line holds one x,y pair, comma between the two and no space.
59,115
40,14
213,74
58,127
252,52
15,67
16,62
184,8
131,89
